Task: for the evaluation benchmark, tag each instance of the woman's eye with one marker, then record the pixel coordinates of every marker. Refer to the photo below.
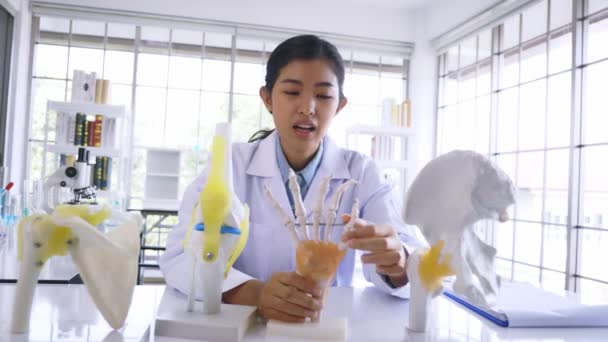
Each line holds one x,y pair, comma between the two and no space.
291,93
325,97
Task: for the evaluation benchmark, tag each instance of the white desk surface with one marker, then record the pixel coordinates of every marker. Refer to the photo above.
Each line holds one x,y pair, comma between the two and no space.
67,313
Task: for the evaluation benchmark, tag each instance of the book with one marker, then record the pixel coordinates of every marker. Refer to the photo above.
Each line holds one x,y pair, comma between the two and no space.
78,129
91,133
83,86
106,173
98,172
108,166
97,131
85,132
108,137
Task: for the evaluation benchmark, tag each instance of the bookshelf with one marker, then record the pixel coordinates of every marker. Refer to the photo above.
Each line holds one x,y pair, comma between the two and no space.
381,130
108,125
161,186
109,111
389,146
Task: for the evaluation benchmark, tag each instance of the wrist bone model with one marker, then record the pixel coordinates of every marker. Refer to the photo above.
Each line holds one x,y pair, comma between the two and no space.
73,229
316,258
219,227
449,195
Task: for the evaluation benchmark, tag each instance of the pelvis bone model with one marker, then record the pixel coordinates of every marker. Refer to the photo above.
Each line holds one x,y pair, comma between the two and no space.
219,227
316,257
73,229
446,199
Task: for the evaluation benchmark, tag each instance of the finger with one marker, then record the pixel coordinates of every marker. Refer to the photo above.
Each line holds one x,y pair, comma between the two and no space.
271,313
381,258
295,296
293,309
301,283
375,244
364,229
393,271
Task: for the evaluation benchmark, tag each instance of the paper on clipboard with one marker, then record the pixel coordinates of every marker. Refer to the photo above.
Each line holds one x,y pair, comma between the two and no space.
524,305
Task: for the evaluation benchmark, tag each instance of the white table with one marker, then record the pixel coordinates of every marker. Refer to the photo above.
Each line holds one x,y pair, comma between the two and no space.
66,313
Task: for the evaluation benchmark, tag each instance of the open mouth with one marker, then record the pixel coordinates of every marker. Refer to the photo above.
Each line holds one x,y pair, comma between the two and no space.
304,127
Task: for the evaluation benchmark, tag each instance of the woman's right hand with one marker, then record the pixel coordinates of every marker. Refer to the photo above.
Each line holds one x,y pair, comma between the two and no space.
289,297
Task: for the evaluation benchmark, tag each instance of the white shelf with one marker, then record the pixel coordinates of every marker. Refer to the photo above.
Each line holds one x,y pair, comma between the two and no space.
161,174
163,162
110,111
160,204
380,130
72,149
397,164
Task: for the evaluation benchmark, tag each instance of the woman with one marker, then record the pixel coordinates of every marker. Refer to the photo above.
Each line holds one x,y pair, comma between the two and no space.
303,92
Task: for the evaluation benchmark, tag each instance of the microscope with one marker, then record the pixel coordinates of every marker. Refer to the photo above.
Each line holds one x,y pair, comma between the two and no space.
76,178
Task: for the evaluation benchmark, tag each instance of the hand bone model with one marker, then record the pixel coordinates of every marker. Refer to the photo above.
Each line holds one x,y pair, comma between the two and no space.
316,257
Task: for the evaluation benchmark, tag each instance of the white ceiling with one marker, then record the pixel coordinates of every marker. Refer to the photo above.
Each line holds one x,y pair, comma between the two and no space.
392,4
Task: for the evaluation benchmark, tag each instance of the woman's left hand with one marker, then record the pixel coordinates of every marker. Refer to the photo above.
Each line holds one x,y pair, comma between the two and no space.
384,246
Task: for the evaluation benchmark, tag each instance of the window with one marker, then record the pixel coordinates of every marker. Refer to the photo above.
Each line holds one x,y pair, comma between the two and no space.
533,131
369,80
6,40
178,84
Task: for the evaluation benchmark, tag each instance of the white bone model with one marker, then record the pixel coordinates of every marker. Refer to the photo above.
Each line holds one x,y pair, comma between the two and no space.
316,257
107,262
449,195
219,227
317,212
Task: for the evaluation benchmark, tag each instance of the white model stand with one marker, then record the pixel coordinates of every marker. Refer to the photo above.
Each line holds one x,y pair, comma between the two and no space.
328,328
230,324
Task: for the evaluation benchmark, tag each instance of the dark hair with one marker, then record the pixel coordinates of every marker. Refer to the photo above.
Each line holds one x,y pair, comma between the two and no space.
305,47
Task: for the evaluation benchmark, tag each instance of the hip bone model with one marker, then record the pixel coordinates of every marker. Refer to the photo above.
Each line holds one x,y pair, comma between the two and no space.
73,229
449,195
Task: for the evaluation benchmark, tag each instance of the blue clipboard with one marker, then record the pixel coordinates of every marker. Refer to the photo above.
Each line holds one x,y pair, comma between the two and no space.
495,317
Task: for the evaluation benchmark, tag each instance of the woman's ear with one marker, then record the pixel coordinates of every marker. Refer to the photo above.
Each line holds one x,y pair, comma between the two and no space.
266,98
341,105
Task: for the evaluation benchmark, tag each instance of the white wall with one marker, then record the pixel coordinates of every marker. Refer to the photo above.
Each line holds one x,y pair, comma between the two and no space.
315,15
443,15
433,20
16,139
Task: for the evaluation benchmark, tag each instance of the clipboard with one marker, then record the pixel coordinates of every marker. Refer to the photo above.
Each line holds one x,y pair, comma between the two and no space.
524,305
493,316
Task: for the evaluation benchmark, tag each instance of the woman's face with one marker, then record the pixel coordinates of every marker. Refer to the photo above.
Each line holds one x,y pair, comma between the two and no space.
304,100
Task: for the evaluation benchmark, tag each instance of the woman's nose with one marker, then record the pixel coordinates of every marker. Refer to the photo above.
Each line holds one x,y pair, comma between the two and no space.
307,105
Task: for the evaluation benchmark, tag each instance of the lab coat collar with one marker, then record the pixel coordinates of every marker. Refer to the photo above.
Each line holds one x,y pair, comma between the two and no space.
264,161
264,164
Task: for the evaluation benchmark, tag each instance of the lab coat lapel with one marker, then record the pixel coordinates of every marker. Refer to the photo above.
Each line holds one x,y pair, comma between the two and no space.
264,164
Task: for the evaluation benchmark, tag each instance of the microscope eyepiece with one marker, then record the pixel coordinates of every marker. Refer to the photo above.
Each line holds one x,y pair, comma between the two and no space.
71,172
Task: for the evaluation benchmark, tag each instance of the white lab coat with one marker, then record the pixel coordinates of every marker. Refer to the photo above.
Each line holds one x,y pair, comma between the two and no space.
269,248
